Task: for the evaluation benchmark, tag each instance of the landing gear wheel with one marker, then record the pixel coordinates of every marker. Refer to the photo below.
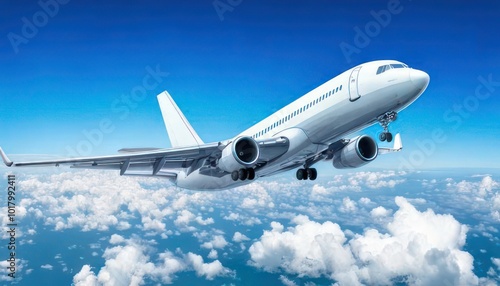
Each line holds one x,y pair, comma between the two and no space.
250,173
312,174
384,121
235,175
242,174
301,174
389,137
382,136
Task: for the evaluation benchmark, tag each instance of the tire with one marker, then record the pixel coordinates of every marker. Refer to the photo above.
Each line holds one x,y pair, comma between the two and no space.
312,174
251,174
235,176
382,136
242,174
301,174
389,137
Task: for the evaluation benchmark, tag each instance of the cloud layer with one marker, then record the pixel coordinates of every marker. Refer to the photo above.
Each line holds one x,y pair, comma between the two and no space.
420,248
348,229
128,262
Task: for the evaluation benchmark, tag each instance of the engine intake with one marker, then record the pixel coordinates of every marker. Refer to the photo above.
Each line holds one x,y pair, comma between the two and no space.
243,152
357,153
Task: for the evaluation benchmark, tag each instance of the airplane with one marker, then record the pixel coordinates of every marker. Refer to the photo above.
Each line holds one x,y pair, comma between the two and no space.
311,129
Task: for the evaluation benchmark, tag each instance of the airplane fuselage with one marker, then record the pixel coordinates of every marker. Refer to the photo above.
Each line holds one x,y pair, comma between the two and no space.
345,104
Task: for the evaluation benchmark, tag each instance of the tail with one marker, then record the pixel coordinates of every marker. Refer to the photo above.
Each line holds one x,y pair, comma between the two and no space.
180,132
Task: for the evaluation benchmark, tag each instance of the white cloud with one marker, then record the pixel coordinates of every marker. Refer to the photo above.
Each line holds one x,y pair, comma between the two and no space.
128,263
5,270
380,212
232,216
286,281
348,206
125,265
94,200
422,247
184,218
365,201
310,249
116,239
496,261
257,197
85,277
239,237
47,267
418,201
376,180
202,221
482,194
208,270
218,241
213,254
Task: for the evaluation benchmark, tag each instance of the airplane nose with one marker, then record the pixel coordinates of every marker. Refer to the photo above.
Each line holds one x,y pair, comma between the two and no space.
419,78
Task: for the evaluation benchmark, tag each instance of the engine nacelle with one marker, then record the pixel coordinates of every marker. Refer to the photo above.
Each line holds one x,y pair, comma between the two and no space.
243,152
357,153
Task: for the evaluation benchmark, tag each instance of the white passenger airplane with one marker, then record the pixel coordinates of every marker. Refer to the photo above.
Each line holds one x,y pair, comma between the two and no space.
306,131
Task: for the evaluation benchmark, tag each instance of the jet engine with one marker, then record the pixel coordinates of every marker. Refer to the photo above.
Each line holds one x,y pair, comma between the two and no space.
358,152
243,152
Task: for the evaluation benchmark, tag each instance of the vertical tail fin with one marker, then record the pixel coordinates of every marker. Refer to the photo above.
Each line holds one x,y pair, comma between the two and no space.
180,132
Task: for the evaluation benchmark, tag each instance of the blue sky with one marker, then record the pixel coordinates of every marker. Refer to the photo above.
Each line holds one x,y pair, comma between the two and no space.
63,80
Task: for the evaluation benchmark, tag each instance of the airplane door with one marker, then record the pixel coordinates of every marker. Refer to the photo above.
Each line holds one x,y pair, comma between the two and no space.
353,84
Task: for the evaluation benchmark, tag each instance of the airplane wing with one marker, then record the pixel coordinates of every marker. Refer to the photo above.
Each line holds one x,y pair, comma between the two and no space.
138,163
155,161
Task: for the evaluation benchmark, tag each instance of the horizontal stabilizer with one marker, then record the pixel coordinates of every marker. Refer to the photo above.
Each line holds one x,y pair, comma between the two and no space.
180,132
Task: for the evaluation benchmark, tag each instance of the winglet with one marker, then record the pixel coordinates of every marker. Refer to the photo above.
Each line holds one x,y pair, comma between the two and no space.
5,159
398,146
180,132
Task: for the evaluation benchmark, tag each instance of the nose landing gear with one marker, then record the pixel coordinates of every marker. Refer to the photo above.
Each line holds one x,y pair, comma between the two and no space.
384,121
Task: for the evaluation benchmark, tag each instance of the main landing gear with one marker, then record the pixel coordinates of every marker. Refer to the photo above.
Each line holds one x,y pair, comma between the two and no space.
307,173
243,174
384,121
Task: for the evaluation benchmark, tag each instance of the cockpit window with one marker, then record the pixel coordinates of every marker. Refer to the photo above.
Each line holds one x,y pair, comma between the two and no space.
384,68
